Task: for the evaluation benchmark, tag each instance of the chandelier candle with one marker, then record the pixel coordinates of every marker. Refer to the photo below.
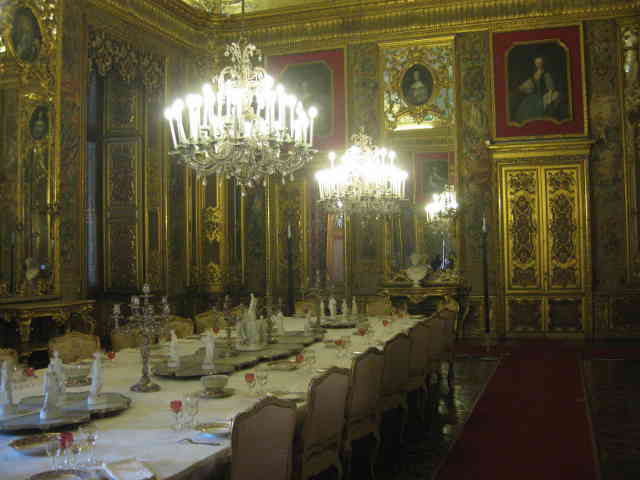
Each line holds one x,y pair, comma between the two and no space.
242,126
366,181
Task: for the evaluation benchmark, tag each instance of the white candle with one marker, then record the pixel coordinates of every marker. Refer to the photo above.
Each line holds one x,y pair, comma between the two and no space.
168,114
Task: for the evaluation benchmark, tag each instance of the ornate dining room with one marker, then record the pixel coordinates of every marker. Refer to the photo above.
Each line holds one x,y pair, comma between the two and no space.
319,239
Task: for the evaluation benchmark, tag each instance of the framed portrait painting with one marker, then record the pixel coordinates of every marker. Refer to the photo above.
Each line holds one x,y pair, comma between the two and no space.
25,35
539,83
317,79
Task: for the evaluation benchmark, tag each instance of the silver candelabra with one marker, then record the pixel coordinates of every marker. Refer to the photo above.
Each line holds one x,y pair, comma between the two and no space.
147,320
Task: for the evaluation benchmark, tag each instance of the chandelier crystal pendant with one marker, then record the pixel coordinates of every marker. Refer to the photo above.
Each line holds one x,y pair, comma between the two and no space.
444,205
366,180
242,126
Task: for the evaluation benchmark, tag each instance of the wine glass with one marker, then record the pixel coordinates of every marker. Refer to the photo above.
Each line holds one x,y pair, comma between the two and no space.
250,378
53,453
176,409
262,378
90,434
310,358
191,405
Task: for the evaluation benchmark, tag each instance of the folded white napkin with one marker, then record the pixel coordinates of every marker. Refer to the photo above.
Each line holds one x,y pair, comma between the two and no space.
128,469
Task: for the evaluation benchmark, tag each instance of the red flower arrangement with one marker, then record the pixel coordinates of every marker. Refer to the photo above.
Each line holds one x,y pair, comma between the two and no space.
249,377
65,439
176,406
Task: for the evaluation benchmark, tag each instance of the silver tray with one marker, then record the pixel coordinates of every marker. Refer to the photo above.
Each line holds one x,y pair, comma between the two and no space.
213,394
108,402
339,324
63,475
31,421
34,445
189,370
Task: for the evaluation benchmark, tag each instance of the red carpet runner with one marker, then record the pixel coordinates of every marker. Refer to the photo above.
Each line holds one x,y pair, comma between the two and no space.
530,424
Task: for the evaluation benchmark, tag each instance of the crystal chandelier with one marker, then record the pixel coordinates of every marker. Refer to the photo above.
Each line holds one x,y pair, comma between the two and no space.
443,206
242,126
365,182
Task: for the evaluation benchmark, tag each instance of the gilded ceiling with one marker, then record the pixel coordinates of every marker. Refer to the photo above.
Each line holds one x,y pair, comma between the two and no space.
235,6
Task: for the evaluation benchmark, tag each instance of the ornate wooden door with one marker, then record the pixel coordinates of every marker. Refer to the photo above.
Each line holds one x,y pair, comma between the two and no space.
544,240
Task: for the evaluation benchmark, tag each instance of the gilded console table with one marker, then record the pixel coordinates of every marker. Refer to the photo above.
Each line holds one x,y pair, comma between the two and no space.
22,315
418,297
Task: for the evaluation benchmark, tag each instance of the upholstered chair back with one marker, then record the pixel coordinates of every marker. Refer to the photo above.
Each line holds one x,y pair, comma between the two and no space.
74,346
8,354
326,410
366,375
209,319
379,306
396,364
419,356
262,441
182,326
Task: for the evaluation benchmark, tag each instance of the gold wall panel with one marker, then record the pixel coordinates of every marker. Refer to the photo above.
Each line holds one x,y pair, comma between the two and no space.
291,215
121,215
544,233
566,314
562,200
522,205
525,314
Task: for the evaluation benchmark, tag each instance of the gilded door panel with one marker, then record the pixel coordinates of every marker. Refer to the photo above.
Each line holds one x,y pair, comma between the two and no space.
566,314
563,227
521,201
122,226
525,314
122,107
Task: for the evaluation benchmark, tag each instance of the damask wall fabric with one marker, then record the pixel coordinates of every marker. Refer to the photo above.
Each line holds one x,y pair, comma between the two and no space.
607,166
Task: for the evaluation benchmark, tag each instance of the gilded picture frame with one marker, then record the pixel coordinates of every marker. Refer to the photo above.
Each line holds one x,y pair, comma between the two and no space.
538,83
417,83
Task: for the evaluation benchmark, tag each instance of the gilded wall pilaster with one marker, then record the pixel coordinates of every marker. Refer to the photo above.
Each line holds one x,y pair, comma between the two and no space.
476,185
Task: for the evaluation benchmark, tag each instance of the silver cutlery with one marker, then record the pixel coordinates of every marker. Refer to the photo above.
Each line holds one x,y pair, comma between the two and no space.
194,442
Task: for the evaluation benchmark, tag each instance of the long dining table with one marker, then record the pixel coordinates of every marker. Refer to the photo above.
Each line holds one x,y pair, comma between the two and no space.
144,432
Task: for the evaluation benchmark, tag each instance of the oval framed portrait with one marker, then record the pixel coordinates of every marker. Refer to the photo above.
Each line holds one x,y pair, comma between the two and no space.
39,123
26,37
417,85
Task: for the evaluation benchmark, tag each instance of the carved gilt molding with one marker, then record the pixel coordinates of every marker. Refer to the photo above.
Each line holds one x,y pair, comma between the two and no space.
108,53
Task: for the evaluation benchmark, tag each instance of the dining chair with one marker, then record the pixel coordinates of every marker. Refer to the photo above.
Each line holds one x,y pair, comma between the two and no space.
182,326
449,319
74,346
395,378
419,354
124,339
8,354
379,306
321,441
262,441
436,343
362,418
209,319
304,306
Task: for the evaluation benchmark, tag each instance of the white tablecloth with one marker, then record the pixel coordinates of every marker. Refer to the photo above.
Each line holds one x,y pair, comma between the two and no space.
144,431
